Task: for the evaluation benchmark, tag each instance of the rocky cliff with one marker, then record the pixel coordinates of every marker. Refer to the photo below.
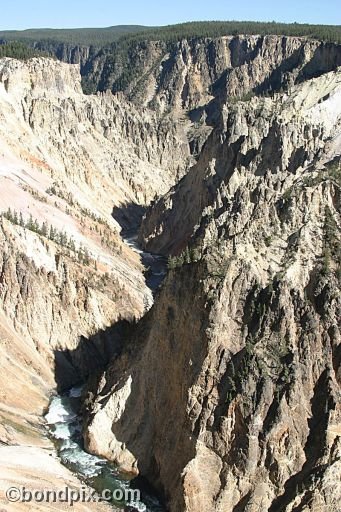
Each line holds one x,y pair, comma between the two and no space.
259,145
189,73
191,78
81,132
68,163
228,396
68,52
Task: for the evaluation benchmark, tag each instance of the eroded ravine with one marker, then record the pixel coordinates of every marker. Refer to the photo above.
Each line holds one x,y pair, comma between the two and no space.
226,395
64,422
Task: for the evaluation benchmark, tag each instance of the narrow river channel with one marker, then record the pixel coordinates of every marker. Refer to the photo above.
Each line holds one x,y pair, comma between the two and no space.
64,422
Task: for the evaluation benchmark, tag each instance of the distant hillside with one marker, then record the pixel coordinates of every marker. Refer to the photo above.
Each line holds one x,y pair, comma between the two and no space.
120,57
76,36
170,33
124,33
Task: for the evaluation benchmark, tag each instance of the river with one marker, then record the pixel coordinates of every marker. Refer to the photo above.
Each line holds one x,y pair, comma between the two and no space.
65,424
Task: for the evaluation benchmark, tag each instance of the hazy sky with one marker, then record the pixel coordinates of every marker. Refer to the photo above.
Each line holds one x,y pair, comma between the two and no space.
21,14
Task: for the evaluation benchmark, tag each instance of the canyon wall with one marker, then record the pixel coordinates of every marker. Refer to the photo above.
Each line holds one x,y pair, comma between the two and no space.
72,167
68,163
228,395
189,73
191,79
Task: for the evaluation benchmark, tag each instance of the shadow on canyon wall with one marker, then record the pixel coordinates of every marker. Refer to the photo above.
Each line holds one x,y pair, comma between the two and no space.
129,217
86,364
91,357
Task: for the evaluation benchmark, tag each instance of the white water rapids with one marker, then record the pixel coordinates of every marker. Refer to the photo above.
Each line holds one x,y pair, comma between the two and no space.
64,422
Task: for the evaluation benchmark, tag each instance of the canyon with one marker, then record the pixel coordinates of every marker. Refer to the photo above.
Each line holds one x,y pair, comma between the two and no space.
221,387
68,161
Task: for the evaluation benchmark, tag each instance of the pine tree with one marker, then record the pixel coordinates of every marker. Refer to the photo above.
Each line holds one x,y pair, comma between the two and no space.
171,264
30,224
86,256
44,229
63,239
35,227
21,220
80,253
52,234
72,245
9,215
187,256
57,237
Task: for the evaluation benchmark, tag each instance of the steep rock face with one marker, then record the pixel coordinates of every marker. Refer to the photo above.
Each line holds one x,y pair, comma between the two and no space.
192,78
57,325
56,304
239,168
125,148
60,321
68,52
123,386
189,73
67,161
228,398
68,282
219,398
237,412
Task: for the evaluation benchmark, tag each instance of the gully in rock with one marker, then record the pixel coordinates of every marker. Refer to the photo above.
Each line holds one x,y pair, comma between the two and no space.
219,143
64,421
155,264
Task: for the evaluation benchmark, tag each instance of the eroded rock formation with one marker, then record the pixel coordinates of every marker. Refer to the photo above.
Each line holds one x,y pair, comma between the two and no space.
228,396
68,162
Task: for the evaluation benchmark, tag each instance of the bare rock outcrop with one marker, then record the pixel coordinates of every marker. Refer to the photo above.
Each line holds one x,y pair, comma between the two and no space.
187,74
67,162
68,282
228,395
239,169
191,79
91,140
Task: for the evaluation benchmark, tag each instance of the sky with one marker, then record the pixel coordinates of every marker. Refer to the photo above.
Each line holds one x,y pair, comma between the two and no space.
22,14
